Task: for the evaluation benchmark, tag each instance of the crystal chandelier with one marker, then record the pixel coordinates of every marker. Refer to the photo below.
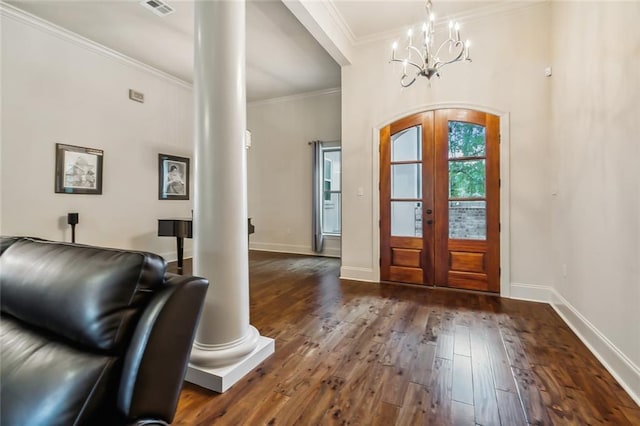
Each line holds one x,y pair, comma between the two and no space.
425,60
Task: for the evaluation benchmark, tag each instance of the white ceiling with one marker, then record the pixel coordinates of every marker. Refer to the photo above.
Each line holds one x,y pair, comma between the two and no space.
282,57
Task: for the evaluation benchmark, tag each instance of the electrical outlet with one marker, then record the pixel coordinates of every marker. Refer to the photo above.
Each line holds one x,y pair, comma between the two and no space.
136,96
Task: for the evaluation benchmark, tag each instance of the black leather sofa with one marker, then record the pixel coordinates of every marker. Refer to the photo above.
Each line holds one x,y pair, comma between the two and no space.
92,336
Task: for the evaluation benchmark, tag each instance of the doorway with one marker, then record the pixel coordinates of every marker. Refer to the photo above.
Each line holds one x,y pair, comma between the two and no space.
440,200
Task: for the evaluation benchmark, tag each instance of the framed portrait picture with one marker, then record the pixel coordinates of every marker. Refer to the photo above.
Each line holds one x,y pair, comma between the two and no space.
78,170
173,177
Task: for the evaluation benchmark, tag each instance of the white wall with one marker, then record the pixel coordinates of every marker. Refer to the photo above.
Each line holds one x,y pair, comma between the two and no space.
60,88
280,165
595,146
510,52
57,88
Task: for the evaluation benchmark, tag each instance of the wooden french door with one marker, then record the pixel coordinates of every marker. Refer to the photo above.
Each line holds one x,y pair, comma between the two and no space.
440,200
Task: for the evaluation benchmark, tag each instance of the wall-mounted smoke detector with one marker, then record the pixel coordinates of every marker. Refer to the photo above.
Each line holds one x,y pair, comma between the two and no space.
158,7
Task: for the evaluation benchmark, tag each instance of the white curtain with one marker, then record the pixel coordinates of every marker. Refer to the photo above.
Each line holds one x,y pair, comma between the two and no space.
318,239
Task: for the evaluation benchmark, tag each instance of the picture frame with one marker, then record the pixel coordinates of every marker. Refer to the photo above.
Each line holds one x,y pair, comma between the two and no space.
173,177
78,170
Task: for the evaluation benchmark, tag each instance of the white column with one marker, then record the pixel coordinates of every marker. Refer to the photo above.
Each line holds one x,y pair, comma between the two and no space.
226,345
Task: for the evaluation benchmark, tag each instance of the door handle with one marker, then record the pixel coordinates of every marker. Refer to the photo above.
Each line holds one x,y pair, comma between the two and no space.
429,211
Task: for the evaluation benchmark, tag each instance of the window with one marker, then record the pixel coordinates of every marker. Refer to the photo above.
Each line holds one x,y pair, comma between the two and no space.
326,178
331,196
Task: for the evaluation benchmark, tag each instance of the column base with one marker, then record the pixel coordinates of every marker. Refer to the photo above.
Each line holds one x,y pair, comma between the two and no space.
220,379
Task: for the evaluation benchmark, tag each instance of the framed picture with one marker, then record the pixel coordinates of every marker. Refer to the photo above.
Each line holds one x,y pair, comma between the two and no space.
173,177
78,170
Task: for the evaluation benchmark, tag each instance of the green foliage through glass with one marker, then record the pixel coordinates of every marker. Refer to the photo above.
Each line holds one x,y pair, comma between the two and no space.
466,140
467,179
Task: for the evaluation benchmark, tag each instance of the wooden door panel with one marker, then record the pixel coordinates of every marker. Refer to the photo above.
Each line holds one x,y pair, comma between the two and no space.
467,280
406,242
441,192
405,275
385,206
406,257
467,262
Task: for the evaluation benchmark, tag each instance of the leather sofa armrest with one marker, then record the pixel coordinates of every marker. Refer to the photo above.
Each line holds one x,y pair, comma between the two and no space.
6,242
157,359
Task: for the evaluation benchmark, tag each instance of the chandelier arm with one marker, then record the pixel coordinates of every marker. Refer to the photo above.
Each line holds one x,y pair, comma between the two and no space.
403,84
419,67
456,44
407,59
418,52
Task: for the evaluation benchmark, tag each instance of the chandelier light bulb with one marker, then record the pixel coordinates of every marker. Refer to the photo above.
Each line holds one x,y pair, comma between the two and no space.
394,46
432,17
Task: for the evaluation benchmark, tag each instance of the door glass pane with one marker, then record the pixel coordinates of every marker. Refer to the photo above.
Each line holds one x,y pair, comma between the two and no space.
466,140
467,179
406,218
407,145
468,220
406,181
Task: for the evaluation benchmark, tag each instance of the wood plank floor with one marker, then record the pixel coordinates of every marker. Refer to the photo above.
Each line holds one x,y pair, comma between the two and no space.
353,353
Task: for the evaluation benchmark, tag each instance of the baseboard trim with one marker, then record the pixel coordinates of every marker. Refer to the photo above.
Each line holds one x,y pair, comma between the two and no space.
615,361
357,274
531,292
172,256
294,249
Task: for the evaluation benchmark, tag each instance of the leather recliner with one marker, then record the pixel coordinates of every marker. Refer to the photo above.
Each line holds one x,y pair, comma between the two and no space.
92,335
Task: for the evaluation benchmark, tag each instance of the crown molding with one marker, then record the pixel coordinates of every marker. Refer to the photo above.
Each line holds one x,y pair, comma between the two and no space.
472,15
326,25
339,21
297,96
23,17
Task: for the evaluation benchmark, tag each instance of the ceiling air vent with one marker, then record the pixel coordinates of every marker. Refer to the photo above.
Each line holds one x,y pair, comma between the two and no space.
158,7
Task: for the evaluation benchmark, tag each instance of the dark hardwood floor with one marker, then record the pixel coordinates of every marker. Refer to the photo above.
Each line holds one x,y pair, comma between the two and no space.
376,354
